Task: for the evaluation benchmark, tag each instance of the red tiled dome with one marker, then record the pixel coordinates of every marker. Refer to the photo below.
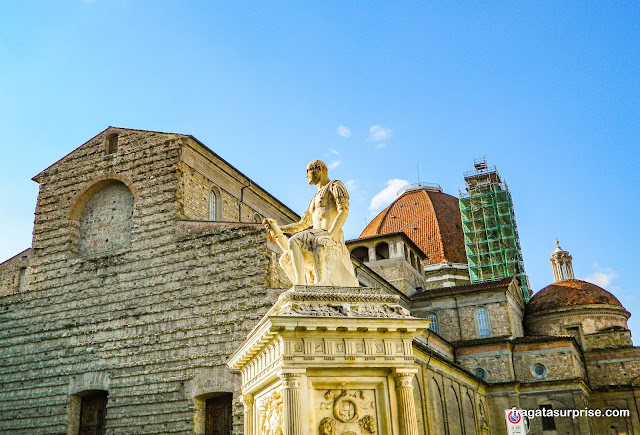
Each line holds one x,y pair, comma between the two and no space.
573,292
430,218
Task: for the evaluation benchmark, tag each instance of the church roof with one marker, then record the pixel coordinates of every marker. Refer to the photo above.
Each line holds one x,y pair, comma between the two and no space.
570,293
430,218
462,289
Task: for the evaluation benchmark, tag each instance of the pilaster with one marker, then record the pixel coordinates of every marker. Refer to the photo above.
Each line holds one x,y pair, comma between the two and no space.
407,419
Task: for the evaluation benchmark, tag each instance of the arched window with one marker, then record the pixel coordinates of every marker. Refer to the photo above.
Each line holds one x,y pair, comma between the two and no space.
361,253
483,322
434,322
215,204
382,251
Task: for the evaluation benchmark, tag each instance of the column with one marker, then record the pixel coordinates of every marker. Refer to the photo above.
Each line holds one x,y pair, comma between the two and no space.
406,405
292,400
247,400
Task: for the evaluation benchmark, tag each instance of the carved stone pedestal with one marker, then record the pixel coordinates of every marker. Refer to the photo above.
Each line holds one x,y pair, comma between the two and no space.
330,361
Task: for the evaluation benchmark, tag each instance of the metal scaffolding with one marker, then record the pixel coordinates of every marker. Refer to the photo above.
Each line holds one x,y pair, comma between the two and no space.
490,231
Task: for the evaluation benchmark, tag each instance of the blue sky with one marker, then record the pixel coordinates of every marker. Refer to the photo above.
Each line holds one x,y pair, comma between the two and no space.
546,91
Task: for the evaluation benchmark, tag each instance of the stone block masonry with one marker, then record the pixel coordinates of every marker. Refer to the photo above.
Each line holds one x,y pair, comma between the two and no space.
141,317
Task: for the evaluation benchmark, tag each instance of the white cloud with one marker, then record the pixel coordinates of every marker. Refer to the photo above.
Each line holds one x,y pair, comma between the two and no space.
378,133
387,195
602,277
352,185
344,131
334,164
334,152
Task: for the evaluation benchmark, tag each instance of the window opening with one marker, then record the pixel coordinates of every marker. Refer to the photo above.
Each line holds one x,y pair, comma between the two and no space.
548,423
480,372
93,413
434,322
112,143
539,370
483,322
213,205
361,253
21,278
219,415
382,251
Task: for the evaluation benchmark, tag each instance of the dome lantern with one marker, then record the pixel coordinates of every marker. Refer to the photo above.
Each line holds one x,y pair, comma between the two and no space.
562,265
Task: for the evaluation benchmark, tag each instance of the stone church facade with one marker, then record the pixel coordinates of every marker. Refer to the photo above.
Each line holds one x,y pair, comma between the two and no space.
149,267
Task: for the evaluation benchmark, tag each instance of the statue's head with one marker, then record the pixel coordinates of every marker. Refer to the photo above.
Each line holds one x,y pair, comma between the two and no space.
315,170
327,426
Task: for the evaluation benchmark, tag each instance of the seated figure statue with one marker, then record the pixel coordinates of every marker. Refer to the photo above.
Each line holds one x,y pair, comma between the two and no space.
316,253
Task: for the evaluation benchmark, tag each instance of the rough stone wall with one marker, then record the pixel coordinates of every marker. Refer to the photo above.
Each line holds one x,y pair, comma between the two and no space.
194,193
515,315
448,326
457,314
616,400
561,360
494,359
106,220
11,271
241,198
613,366
561,396
446,277
142,323
567,398
399,273
608,339
499,322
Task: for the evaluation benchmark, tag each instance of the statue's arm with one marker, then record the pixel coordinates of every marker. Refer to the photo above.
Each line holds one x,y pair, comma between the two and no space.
304,223
343,211
341,196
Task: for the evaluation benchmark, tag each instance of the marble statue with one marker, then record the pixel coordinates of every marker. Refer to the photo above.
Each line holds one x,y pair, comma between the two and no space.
315,254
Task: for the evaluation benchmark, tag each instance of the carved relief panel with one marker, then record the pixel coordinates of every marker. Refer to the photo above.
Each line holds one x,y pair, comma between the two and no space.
346,411
271,414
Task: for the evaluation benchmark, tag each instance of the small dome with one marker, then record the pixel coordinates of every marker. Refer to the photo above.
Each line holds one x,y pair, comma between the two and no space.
570,293
430,218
